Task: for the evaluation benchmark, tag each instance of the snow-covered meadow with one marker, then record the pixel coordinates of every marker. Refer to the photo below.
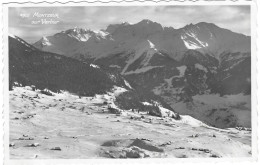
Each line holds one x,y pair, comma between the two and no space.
68,126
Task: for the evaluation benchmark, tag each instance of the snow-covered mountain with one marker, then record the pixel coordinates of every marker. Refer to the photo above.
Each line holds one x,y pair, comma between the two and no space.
174,64
138,48
43,70
73,41
125,37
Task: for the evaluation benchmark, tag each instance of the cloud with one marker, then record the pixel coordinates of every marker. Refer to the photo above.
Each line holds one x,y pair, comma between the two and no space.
235,18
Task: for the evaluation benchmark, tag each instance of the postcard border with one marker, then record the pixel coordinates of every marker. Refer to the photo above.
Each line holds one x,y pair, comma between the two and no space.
254,72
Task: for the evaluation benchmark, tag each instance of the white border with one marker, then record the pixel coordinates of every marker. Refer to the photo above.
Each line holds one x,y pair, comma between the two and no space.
4,85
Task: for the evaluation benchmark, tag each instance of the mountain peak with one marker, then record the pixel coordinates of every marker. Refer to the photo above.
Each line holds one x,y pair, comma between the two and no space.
77,30
147,27
113,27
147,22
45,41
200,24
206,24
79,34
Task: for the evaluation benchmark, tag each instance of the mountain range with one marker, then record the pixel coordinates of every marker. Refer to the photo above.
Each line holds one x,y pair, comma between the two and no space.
117,38
175,65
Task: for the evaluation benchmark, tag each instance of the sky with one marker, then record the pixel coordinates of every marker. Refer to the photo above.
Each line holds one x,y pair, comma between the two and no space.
23,21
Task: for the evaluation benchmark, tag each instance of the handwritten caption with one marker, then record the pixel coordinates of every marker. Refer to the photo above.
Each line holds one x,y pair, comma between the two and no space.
42,18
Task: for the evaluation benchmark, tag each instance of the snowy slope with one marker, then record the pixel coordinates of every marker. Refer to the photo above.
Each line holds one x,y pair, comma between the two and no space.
146,50
223,112
64,126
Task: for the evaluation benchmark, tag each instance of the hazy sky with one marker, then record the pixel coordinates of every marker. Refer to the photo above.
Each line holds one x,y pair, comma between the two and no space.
235,18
